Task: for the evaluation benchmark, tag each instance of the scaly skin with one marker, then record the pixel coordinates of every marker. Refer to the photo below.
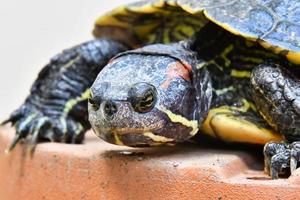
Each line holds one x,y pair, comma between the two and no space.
277,97
56,108
276,93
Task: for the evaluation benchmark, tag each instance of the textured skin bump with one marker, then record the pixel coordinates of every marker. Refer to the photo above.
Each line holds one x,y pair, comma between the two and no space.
276,93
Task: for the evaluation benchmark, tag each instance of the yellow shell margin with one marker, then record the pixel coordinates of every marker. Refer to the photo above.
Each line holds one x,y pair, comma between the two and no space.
154,7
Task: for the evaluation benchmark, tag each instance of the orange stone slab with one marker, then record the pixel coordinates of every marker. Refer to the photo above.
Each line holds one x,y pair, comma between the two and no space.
97,170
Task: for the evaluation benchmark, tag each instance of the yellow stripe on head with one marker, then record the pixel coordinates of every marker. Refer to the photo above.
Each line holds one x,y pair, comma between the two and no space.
157,138
118,140
182,120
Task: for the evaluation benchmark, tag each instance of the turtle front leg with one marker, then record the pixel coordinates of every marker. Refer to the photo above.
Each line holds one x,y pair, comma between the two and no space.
56,108
277,157
276,92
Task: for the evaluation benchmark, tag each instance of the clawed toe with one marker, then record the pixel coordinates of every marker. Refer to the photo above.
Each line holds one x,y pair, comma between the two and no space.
295,156
280,156
29,128
271,149
32,126
279,162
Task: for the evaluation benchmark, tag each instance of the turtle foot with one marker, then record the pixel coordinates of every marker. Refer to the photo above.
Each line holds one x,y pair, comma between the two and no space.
33,126
280,156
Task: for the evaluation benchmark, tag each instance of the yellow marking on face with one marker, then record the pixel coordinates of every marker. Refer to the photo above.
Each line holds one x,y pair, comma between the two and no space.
157,138
160,144
240,73
118,140
180,119
72,102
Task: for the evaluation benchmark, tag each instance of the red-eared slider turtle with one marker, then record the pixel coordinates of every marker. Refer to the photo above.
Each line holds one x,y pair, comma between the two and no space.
161,71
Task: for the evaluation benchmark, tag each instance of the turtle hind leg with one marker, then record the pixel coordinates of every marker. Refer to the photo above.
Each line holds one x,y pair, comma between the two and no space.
276,92
56,108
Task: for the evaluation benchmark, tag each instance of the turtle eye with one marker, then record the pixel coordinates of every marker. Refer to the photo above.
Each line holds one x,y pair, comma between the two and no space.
142,97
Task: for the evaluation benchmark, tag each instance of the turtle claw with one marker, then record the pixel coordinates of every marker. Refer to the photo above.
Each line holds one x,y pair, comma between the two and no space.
295,156
5,122
280,156
279,162
33,126
271,149
274,173
33,140
11,119
293,164
12,145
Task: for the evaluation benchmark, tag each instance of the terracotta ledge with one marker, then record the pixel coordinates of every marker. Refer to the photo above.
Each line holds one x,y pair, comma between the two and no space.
97,170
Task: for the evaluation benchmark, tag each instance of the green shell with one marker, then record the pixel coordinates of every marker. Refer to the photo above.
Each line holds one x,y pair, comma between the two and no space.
275,24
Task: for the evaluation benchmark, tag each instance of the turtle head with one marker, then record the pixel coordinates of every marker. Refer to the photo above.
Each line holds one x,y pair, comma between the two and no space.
144,98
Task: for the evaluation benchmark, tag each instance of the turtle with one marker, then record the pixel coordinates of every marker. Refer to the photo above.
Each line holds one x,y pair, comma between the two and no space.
161,71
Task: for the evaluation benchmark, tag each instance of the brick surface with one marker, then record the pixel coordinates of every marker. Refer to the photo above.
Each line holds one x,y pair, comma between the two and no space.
97,170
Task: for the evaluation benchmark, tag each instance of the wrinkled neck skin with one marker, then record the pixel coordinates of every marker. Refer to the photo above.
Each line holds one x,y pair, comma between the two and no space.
119,113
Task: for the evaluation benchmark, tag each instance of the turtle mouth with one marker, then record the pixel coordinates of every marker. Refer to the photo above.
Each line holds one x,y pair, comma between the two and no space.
133,137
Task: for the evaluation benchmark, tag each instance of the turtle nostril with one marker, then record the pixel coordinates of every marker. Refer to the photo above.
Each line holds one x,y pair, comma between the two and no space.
95,103
110,108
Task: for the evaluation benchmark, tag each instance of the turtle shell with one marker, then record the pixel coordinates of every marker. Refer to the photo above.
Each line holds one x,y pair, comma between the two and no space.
275,24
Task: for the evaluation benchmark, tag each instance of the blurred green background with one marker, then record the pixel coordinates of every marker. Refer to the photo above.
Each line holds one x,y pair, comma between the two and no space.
32,31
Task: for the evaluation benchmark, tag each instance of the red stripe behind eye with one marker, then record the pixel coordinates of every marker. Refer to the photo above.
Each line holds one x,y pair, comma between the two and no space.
177,70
